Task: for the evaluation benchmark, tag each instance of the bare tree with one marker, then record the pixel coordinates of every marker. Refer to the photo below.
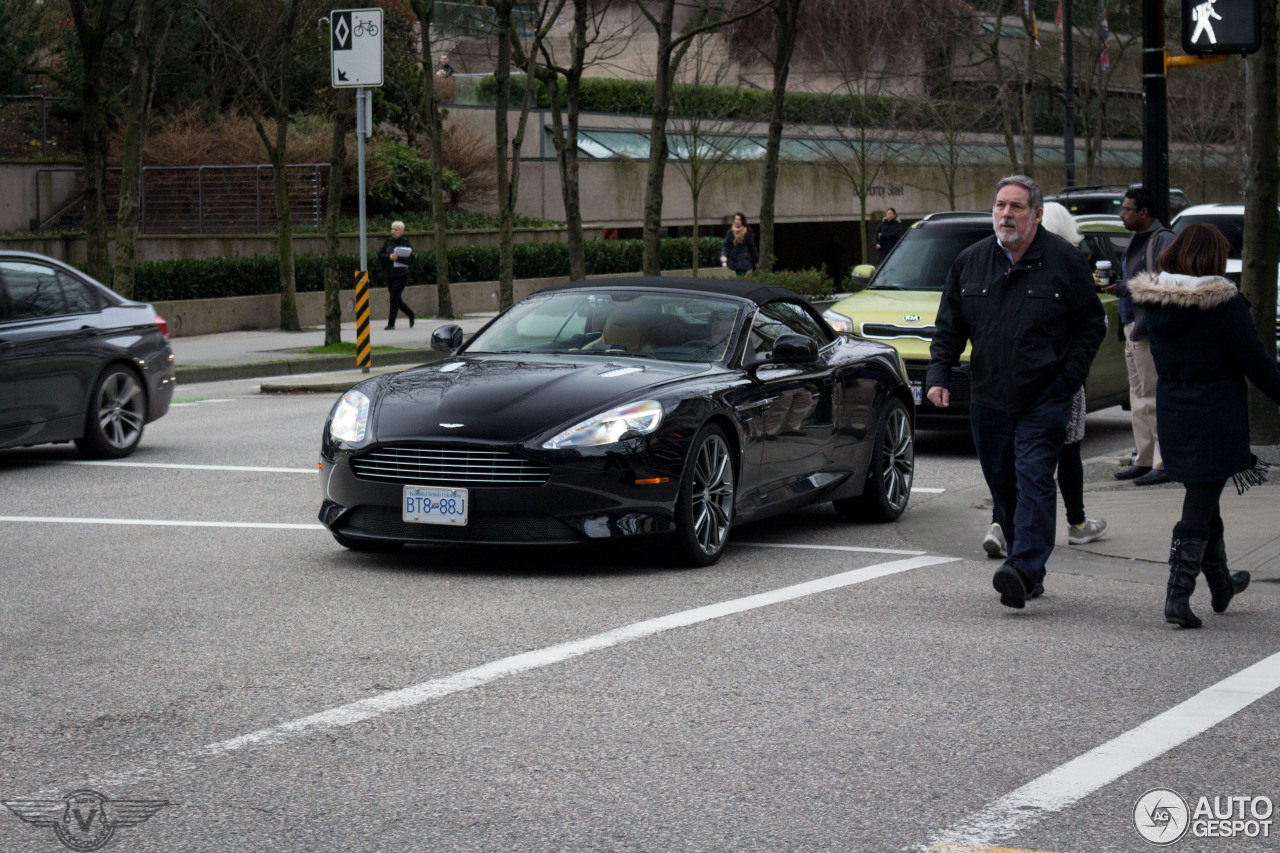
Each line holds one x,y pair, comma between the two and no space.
672,46
144,49
335,272
260,44
946,143
1105,53
434,120
1261,193
589,33
513,51
703,146
1204,105
97,25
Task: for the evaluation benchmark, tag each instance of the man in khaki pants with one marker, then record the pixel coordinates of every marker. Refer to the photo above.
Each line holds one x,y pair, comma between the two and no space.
1150,239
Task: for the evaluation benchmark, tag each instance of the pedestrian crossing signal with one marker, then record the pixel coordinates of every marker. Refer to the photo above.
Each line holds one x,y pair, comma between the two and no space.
1221,27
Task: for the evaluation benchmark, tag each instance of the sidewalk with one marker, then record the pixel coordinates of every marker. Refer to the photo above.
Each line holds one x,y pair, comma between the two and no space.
262,354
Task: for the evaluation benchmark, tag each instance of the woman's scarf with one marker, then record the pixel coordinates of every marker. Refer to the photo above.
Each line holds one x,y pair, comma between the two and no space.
739,233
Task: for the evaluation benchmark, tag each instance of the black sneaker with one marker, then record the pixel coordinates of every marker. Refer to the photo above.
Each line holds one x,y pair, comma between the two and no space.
1012,588
1036,591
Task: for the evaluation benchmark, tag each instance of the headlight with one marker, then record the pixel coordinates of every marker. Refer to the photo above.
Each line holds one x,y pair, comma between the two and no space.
839,322
350,417
606,428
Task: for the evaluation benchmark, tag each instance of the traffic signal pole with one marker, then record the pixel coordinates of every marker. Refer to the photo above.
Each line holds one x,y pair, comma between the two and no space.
1155,108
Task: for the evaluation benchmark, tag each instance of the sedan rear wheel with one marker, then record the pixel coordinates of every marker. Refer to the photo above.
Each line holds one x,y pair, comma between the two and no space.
893,465
704,508
117,412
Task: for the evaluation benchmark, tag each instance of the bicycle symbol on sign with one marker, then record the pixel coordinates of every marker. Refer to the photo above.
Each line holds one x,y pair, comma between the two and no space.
363,27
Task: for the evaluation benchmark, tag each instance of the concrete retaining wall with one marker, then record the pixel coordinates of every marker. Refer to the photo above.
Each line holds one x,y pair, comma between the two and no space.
239,313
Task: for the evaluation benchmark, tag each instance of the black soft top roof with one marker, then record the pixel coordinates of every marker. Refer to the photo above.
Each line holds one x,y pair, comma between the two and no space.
744,288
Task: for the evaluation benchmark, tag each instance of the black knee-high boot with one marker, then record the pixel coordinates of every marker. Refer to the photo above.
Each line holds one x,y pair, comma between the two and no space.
1185,556
1222,583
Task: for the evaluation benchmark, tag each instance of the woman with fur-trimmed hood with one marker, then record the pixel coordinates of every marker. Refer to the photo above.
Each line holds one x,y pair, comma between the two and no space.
1205,347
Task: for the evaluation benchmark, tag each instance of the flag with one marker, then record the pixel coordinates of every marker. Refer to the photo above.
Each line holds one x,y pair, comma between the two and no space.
1104,31
1031,16
1062,35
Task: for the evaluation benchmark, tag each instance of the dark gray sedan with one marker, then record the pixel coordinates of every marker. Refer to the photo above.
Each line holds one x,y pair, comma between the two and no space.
78,362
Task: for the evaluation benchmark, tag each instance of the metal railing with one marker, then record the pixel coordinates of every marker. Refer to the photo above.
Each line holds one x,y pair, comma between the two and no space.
202,199
44,115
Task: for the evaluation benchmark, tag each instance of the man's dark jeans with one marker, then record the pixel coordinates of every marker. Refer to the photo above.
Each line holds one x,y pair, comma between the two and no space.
1019,454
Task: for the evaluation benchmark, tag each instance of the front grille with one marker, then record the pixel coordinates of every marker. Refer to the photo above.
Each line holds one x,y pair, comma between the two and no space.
892,330
512,527
443,465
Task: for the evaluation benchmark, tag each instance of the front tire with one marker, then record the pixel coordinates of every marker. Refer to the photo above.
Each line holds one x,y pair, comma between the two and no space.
117,412
704,508
893,464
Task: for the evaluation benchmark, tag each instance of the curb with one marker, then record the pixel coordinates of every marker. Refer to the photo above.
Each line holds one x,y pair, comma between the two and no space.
189,374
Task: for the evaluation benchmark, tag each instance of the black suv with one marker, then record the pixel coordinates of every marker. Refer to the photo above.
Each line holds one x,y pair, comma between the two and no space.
1088,200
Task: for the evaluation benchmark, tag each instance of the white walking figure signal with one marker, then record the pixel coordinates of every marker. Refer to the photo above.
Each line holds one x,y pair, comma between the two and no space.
1204,15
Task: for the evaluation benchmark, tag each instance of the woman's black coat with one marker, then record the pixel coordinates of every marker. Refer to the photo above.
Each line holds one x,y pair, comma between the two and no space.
743,256
1204,345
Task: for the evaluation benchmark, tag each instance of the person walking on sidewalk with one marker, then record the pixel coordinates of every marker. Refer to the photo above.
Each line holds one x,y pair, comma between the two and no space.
888,233
1081,529
394,255
1205,346
1025,300
1150,239
739,252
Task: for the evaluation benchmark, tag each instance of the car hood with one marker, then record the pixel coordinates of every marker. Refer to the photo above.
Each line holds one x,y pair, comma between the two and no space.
903,318
512,397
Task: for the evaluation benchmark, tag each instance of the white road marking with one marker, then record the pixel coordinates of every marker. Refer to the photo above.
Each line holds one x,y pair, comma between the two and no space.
251,468
852,548
927,491
1071,782
409,697
155,522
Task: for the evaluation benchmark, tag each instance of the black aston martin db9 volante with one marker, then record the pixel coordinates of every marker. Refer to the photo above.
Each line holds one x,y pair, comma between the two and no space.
624,407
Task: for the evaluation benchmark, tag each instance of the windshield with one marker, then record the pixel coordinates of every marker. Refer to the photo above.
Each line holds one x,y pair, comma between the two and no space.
924,256
668,325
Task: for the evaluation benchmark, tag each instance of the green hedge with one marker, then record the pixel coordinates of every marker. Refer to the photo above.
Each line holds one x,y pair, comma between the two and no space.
215,278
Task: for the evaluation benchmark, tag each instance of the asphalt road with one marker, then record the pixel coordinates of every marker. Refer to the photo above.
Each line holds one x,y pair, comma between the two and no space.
824,687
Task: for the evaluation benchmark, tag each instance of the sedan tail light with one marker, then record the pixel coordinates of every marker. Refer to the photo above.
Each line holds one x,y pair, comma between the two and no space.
164,327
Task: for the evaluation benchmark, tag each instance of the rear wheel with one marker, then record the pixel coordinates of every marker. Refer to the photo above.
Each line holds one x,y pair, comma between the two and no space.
704,508
117,412
893,464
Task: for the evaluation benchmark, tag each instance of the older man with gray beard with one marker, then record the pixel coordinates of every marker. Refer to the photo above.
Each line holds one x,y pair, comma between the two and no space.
1025,300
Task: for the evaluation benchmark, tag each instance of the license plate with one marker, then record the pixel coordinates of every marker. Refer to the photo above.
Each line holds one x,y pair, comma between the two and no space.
915,392
434,506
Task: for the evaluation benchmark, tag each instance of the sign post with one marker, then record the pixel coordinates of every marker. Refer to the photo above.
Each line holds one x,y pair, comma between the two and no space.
355,41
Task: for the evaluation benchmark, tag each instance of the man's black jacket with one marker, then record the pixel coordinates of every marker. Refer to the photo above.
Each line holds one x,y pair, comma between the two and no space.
1035,326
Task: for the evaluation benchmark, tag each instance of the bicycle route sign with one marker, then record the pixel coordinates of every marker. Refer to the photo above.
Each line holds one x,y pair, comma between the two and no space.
355,43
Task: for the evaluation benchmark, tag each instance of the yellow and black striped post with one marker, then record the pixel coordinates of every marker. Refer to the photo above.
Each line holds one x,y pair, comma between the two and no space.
364,352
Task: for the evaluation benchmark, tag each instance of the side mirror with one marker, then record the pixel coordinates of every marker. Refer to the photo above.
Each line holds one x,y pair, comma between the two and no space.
447,339
794,349
864,271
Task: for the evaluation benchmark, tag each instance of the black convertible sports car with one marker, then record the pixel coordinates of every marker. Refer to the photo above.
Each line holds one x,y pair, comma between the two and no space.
622,407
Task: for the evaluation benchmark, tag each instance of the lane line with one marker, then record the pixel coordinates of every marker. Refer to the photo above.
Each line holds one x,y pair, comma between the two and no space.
108,463
1065,785
409,697
154,522
927,491
851,548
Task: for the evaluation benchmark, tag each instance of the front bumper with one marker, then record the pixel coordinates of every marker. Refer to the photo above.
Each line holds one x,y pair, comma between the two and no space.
585,499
